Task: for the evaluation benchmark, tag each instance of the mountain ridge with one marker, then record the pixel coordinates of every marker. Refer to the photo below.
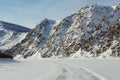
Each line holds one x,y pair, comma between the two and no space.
93,31
17,28
11,34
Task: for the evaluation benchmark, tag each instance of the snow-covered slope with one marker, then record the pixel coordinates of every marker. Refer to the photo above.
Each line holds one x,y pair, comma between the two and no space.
11,34
93,31
34,40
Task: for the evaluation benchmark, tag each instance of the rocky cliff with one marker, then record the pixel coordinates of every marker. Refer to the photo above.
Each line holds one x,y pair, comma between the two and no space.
93,31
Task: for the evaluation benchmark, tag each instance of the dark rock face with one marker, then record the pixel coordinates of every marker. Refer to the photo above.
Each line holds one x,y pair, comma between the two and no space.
5,55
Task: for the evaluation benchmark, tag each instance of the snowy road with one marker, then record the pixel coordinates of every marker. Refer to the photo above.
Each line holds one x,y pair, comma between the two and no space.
60,70
71,72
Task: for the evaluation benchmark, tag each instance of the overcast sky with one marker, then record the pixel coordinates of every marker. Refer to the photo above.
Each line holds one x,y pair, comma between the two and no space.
30,12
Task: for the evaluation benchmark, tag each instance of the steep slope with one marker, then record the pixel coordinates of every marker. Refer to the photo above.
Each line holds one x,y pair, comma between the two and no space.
34,39
91,32
11,34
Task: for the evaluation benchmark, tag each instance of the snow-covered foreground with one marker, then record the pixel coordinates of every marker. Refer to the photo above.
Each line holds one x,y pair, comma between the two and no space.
64,69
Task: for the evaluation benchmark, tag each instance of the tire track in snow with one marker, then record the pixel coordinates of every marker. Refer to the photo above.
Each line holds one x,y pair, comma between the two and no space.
69,72
62,76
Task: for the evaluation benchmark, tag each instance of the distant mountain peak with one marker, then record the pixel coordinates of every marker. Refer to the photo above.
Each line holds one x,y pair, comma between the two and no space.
47,21
13,27
11,34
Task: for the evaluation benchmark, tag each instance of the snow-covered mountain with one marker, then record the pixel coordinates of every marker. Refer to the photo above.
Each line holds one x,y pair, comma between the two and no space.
11,34
93,31
34,40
